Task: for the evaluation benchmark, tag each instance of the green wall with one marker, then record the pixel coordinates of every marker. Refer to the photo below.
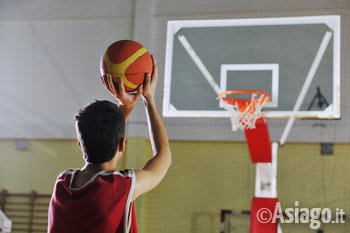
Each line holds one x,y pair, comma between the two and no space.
37,167
204,178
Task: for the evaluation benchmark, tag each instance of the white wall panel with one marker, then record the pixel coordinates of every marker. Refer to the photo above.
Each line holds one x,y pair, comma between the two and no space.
64,9
49,69
239,7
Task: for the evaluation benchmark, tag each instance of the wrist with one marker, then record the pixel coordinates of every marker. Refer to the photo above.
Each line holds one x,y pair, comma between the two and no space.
148,100
126,110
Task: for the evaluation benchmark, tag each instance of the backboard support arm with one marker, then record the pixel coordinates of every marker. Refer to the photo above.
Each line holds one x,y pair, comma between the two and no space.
307,83
188,47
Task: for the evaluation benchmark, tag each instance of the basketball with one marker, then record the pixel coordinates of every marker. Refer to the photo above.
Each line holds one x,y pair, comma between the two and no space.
129,60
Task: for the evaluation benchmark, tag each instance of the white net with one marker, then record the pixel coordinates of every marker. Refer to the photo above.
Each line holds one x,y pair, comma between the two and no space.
245,118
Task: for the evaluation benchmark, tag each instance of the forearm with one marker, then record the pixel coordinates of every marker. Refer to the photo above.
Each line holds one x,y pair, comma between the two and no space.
126,111
155,169
158,135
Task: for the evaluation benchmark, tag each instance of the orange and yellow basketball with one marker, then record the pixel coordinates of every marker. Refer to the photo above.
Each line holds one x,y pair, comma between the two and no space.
129,60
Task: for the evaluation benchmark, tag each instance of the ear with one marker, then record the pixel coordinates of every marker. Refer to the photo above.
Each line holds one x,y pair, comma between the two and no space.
121,146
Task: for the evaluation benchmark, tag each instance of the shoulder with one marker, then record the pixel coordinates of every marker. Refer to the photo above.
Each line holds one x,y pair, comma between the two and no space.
126,177
65,174
125,173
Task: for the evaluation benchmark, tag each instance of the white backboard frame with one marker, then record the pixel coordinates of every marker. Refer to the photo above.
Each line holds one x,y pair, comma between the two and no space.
332,21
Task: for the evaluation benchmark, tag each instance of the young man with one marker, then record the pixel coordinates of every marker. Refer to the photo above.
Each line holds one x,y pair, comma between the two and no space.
97,198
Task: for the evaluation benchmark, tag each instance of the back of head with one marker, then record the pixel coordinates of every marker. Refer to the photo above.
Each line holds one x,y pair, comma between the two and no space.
100,126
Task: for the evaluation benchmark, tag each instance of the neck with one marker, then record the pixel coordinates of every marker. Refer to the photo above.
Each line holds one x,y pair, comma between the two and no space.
106,166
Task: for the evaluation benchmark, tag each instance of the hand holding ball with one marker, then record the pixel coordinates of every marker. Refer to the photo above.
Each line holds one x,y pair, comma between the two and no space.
128,60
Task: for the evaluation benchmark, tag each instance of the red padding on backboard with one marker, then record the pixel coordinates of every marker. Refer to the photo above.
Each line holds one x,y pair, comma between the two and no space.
258,140
262,215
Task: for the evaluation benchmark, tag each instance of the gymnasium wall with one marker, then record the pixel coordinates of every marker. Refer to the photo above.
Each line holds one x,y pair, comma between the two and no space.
51,50
204,178
37,167
49,62
49,69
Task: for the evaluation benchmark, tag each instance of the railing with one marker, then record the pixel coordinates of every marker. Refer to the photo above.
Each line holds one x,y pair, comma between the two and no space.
27,211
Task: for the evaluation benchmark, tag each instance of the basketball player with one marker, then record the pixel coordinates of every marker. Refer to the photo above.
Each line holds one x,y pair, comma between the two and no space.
97,198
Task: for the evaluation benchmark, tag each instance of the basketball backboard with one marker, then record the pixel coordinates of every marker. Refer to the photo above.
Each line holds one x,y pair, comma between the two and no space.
296,60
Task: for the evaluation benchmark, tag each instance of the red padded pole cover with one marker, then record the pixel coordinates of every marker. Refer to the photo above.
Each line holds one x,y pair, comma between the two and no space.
258,140
261,215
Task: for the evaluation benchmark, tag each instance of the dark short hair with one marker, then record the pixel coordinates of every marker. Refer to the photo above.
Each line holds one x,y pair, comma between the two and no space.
100,127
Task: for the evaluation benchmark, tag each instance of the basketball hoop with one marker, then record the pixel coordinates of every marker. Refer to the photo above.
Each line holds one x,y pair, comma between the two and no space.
244,112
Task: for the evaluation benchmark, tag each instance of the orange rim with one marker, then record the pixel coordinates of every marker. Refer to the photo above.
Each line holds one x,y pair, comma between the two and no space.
244,103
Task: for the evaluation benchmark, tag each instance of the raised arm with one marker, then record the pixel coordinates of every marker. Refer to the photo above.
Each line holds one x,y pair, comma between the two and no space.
150,175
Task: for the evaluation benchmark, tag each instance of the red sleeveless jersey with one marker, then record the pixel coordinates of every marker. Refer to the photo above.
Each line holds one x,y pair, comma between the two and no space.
102,205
